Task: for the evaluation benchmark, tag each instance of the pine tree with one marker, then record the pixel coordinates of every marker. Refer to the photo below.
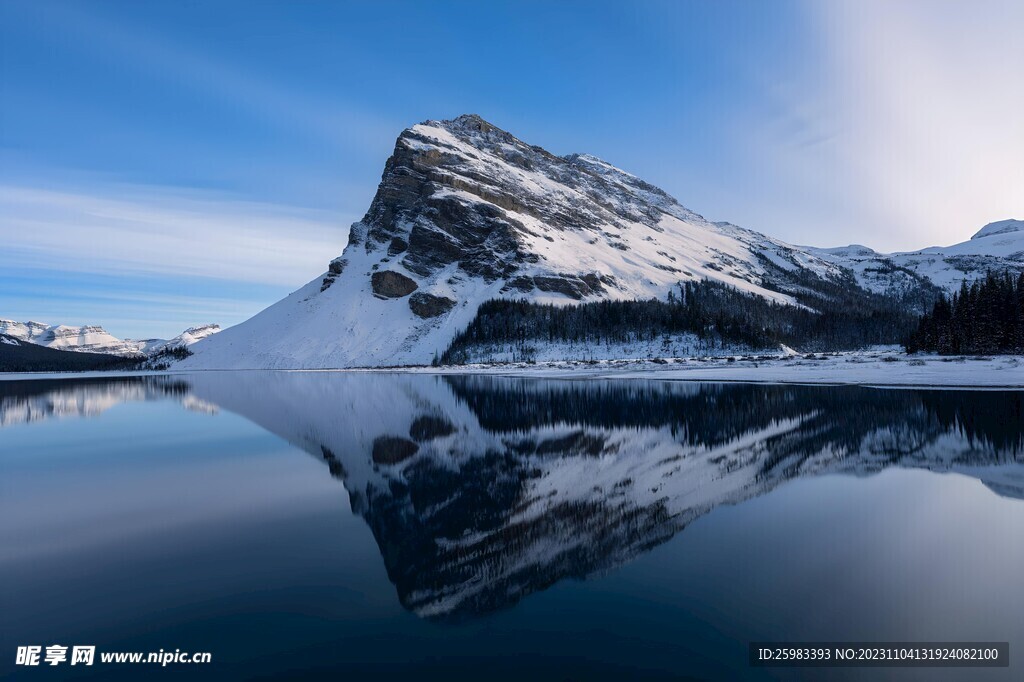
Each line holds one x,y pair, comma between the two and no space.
985,317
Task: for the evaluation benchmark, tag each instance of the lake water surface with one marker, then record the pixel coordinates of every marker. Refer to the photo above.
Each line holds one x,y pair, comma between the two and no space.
358,525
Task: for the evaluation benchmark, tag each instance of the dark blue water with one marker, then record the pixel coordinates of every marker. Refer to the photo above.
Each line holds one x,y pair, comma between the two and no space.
326,525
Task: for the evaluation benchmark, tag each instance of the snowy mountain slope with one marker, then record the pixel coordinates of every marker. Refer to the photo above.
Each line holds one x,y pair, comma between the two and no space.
466,212
32,332
1002,228
998,246
95,339
88,339
186,338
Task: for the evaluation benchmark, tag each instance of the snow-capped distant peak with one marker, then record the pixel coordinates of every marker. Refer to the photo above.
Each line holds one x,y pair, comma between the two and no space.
95,339
998,246
852,251
190,336
151,347
1000,227
25,331
89,338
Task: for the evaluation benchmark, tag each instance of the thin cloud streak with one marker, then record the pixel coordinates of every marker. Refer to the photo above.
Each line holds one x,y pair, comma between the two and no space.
131,230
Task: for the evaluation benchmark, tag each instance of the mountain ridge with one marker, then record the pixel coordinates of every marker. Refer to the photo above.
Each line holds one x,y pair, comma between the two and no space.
96,339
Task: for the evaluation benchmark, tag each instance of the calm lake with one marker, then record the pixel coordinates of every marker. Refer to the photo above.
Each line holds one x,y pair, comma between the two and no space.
358,525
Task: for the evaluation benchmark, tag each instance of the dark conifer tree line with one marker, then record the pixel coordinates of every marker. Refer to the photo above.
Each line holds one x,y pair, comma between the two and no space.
839,319
986,317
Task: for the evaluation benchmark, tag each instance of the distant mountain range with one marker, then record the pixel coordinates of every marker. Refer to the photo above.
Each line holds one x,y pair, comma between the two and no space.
998,246
466,212
95,339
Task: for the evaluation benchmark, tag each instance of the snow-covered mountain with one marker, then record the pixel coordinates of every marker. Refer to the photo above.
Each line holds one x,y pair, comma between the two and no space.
95,339
88,339
998,246
466,212
182,340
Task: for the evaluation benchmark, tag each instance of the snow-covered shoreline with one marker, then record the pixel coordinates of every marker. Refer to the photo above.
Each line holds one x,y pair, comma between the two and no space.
865,369
884,368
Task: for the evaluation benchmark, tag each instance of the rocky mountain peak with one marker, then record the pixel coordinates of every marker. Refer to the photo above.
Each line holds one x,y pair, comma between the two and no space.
468,194
470,126
204,329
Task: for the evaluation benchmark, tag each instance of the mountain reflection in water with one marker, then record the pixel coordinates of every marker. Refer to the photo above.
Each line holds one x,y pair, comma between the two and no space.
481,490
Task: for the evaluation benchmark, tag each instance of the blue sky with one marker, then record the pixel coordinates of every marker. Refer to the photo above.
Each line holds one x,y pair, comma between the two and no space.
164,164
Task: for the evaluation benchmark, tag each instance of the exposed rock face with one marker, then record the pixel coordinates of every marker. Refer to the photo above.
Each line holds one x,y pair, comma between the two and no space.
334,268
575,287
397,246
391,284
428,305
441,202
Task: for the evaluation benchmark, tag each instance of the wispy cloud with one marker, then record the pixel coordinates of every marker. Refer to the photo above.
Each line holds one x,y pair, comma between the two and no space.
150,261
188,233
